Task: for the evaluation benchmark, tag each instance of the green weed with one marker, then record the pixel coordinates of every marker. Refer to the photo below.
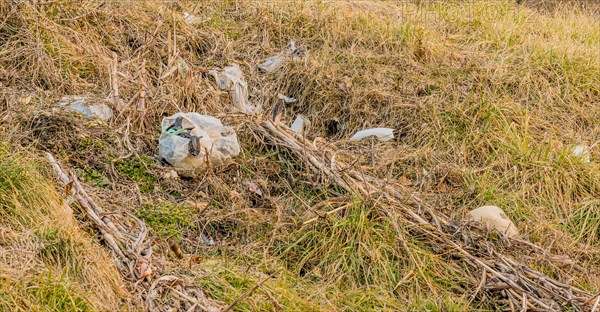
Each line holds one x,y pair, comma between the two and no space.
136,169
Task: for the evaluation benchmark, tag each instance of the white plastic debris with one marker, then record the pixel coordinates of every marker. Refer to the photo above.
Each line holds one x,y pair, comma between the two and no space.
254,188
273,63
206,240
191,18
287,99
231,79
384,134
300,125
276,62
581,152
495,217
76,103
189,140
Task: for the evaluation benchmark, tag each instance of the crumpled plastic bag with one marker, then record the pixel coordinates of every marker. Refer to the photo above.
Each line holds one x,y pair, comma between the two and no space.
581,152
231,79
273,63
190,141
276,62
191,18
83,105
286,99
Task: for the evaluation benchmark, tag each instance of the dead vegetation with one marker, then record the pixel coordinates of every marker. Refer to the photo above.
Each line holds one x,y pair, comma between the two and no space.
46,261
488,99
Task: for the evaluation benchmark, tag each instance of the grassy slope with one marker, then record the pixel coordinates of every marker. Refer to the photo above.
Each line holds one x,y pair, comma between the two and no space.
488,98
46,262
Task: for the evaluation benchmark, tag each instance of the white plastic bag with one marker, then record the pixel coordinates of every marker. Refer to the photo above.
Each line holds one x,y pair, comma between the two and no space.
300,125
231,79
191,18
286,99
189,141
83,105
277,61
273,63
581,152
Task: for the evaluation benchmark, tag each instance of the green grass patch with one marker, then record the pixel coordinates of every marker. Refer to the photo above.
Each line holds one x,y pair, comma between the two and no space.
57,249
137,170
168,220
46,292
360,248
94,177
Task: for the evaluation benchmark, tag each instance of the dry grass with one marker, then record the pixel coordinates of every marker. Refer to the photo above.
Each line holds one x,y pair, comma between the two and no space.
47,262
488,99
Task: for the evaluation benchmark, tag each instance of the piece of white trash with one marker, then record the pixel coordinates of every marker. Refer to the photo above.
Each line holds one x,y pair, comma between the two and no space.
273,63
384,134
287,99
190,141
191,18
581,152
300,125
231,79
276,62
87,107
494,217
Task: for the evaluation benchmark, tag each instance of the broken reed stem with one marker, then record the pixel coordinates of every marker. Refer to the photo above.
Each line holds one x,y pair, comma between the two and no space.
95,213
596,305
327,213
114,80
247,293
276,303
91,209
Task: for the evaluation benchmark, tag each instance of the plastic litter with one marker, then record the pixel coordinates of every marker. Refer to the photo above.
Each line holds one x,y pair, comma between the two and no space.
191,18
495,217
273,63
254,188
276,62
300,125
384,134
231,79
581,152
287,99
206,240
189,141
76,103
